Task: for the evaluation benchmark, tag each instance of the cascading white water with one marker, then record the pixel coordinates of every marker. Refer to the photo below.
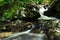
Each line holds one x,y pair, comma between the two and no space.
29,36
19,33
41,12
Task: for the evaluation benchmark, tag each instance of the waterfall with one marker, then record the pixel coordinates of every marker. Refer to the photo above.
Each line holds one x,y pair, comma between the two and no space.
20,33
41,12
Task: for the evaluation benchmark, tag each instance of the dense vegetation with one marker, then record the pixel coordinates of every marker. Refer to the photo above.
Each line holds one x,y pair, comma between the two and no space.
8,9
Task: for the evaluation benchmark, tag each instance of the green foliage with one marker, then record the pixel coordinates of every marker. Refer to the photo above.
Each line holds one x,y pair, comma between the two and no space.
14,5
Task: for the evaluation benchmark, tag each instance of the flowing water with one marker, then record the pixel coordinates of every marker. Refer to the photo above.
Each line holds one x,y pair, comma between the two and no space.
41,12
19,33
